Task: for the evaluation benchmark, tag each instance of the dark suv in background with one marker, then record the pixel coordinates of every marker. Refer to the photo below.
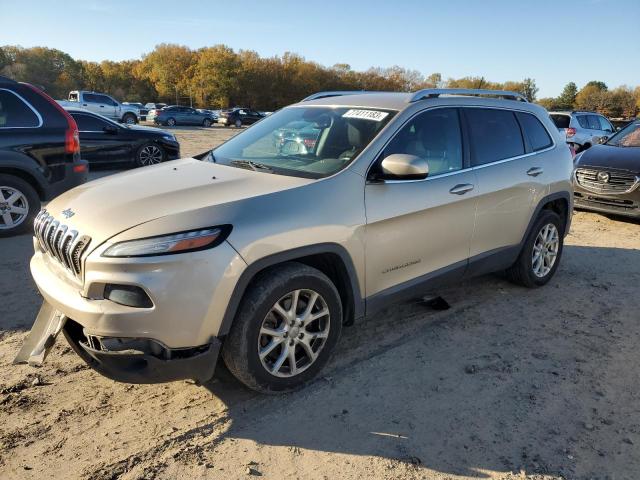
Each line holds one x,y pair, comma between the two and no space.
39,154
239,117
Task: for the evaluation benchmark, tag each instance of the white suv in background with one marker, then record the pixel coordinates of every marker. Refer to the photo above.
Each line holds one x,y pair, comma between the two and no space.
583,129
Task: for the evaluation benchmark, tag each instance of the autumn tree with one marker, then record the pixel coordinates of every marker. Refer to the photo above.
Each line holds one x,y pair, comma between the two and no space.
167,68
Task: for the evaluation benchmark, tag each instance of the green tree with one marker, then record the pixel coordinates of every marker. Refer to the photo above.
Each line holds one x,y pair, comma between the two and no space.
567,98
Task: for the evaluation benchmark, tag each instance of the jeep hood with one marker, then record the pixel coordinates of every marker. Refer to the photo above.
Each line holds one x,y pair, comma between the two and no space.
105,207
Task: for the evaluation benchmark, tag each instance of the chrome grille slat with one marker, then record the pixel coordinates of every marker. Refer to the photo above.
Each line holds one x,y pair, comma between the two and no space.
57,240
618,182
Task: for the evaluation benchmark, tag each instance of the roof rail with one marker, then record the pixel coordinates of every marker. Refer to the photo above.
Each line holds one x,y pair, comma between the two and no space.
336,93
436,92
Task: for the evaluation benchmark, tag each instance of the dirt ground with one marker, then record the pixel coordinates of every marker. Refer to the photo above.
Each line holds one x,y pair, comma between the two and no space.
507,383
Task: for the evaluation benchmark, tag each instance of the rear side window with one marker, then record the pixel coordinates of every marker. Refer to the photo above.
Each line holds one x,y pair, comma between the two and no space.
605,124
582,120
87,123
535,132
15,113
495,135
594,123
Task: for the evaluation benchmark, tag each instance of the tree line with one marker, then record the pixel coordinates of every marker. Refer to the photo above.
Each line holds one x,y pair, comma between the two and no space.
219,77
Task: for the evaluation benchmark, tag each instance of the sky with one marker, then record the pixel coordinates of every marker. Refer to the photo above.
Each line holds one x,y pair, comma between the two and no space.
554,42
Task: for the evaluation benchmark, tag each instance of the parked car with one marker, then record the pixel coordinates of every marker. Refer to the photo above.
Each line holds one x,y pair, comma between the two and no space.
264,257
239,117
142,110
106,141
39,154
607,177
213,113
176,115
583,129
102,104
155,106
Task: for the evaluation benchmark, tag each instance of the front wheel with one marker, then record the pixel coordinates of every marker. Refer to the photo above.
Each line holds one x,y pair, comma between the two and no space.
238,123
129,119
171,122
540,255
287,326
19,203
206,123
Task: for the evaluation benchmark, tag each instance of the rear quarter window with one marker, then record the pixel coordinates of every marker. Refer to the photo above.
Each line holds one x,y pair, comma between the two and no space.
495,135
561,121
15,113
535,132
582,121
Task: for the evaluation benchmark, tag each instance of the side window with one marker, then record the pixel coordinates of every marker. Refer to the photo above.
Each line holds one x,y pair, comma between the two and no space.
605,124
14,113
495,135
90,98
104,100
582,121
433,135
594,123
88,123
537,135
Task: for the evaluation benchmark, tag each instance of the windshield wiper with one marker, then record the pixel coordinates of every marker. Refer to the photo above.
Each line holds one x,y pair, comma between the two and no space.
251,165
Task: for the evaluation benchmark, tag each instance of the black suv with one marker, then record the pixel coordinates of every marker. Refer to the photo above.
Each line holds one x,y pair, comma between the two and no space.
39,154
239,117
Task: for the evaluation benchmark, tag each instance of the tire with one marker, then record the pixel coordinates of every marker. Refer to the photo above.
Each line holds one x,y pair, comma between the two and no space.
523,271
273,287
150,154
238,123
129,119
206,123
171,122
19,204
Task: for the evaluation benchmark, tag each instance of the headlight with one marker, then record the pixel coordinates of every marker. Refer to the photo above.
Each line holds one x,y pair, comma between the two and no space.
171,138
181,242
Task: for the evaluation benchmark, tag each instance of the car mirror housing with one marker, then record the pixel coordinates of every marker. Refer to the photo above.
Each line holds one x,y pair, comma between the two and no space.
109,129
402,166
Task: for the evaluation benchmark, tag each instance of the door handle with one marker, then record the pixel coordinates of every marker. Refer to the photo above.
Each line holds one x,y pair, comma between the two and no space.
84,104
101,106
461,189
534,171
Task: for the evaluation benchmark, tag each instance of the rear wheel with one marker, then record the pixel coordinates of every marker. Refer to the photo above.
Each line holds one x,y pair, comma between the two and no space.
287,326
19,203
150,154
540,255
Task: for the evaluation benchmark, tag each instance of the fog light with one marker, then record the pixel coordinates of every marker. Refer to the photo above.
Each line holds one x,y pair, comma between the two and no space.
129,295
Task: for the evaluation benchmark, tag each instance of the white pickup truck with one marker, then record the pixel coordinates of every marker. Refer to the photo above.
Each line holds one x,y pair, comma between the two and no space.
103,104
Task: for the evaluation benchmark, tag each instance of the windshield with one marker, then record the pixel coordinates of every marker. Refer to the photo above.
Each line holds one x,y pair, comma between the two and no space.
312,142
629,136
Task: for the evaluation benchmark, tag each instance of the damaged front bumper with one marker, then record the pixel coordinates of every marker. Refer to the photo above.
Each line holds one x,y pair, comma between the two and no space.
129,360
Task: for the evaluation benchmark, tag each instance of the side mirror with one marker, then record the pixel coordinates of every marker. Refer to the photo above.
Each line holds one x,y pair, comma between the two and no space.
110,130
401,166
603,139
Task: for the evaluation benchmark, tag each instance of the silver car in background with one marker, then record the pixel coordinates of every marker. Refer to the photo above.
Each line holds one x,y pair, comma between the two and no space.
583,129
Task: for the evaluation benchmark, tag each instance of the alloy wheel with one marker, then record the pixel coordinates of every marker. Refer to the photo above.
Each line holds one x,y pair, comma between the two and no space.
150,155
293,333
130,120
545,250
14,207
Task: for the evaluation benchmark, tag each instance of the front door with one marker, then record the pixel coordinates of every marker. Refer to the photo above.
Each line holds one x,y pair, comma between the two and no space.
419,231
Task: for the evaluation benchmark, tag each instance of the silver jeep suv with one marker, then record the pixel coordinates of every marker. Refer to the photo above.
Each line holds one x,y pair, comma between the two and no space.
262,254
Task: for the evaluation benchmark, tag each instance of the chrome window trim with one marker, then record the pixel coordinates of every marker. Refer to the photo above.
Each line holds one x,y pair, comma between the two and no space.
471,168
31,107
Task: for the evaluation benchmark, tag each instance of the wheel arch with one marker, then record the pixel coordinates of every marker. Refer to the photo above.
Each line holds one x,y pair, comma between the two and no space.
331,259
560,203
27,177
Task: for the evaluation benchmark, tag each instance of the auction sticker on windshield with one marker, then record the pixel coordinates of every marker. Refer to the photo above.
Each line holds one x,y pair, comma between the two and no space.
374,115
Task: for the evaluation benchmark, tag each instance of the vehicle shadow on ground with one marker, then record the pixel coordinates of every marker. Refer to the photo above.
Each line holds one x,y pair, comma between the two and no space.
497,383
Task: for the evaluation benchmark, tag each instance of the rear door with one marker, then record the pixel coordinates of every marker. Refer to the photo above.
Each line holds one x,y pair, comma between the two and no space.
101,141
510,177
420,229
